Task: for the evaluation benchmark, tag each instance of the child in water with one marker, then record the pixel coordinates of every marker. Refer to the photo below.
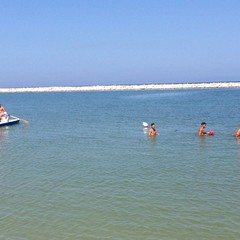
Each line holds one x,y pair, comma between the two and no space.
201,131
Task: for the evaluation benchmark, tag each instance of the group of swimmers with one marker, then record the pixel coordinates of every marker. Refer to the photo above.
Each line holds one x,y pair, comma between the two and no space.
201,132
152,131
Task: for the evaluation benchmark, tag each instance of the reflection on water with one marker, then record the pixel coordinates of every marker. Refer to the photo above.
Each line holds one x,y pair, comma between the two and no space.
202,139
238,153
3,141
152,140
145,130
3,135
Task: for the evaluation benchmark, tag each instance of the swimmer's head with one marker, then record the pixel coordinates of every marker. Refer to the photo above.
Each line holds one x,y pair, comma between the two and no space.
203,123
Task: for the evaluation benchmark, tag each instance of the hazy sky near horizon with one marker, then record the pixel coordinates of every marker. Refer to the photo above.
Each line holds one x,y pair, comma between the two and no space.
103,42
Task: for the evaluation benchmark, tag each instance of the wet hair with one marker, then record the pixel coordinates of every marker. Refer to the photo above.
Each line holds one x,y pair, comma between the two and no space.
203,123
152,124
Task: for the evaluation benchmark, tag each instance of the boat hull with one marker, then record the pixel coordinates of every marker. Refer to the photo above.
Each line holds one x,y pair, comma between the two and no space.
10,122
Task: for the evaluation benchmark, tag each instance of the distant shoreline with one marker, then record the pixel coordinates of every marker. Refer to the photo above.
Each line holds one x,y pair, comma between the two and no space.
139,87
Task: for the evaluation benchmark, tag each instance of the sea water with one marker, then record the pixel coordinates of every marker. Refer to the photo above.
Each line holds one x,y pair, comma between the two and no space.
84,167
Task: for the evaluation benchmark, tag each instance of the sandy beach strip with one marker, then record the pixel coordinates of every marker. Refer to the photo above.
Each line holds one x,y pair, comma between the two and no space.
124,87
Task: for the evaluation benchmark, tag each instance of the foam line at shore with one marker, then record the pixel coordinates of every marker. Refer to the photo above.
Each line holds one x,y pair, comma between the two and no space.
124,87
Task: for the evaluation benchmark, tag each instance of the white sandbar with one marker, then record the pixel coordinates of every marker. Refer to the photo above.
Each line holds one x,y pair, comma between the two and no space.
124,87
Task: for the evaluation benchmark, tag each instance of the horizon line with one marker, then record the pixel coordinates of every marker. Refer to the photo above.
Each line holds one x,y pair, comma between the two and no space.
123,87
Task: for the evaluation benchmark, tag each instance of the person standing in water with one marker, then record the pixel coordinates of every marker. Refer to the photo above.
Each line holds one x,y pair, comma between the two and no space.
152,131
2,112
201,131
237,134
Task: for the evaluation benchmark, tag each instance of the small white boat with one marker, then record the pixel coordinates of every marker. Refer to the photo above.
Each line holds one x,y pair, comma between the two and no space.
8,119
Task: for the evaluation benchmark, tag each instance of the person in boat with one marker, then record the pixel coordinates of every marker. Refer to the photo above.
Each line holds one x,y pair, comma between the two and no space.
152,131
2,112
201,131
237,134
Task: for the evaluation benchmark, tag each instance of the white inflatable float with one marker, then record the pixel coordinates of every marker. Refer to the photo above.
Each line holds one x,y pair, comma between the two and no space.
145,125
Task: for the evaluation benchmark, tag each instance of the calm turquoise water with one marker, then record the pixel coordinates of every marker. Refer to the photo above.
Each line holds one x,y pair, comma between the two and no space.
85,169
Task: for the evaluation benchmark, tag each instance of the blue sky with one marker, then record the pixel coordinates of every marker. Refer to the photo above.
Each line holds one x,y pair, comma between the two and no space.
103,42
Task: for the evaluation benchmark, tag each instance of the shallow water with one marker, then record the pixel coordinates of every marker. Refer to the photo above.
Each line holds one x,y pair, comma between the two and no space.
84,167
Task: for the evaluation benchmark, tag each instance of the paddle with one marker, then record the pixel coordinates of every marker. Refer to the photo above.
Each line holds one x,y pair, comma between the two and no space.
22,120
